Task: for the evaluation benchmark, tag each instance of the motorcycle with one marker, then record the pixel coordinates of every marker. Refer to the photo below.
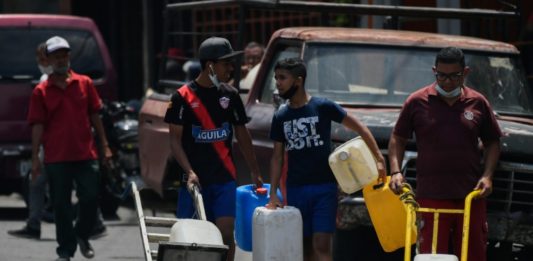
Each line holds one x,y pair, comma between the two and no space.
121,126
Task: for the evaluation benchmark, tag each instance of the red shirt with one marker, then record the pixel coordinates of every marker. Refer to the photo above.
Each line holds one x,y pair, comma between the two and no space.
447,139
65,115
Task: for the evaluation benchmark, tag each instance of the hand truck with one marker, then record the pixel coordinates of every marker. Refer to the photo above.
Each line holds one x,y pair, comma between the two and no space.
412,207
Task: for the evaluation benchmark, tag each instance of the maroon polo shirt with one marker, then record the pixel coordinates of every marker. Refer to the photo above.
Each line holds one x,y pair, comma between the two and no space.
447,137
65,115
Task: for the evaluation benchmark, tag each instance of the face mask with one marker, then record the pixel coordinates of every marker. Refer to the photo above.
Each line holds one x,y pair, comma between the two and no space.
46,69
289,93
62,70
451,94
213,77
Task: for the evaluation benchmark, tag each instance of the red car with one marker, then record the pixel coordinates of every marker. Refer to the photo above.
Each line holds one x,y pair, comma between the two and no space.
20,35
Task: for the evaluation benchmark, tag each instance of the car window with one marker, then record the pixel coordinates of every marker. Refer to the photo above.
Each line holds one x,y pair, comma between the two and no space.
18,52
367,75
371,75
283,52
501,79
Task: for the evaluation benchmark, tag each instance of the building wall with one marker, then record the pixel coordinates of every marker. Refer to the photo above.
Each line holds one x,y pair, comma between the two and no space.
35,6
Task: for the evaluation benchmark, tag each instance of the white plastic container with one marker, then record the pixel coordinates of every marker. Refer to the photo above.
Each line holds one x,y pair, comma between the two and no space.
241,255
277,234
435,257
194,231
353,165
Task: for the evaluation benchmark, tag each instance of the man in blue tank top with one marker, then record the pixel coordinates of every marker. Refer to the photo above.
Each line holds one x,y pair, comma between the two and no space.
302,128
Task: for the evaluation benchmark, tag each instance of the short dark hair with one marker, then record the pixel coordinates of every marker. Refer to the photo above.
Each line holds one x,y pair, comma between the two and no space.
450,55
254,45
41,49
295,66
204,62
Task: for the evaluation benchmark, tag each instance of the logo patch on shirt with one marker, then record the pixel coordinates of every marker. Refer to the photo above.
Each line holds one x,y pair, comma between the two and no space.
208,136
224,102
468,115
195,105
302,133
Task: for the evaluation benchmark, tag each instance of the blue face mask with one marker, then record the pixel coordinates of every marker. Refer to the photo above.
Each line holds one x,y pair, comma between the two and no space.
451,94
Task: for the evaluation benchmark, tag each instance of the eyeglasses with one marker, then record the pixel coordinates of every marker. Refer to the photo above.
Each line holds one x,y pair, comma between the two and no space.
452,76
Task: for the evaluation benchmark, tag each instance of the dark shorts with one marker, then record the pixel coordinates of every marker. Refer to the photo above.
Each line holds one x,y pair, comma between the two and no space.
451,227
317,204
219,201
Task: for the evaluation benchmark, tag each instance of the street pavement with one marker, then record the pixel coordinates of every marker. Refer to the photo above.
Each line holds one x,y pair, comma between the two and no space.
122,242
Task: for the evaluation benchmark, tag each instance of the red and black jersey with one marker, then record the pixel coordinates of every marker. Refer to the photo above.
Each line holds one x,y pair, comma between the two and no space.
207,116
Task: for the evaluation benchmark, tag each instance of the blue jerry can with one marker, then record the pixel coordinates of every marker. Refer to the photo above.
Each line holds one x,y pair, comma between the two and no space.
248,199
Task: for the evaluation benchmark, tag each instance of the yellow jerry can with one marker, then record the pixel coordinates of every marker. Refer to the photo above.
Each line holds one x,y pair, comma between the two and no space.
388,215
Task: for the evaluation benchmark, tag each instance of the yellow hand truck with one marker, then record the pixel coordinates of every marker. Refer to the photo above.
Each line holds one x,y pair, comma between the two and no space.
412,207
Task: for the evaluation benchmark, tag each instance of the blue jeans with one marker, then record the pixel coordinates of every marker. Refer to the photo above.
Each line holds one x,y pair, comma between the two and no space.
36,204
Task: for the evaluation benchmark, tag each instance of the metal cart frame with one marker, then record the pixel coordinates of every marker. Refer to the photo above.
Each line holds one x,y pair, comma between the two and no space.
412,207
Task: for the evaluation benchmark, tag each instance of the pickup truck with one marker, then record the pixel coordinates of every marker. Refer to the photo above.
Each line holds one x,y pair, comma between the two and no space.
370,72
20,35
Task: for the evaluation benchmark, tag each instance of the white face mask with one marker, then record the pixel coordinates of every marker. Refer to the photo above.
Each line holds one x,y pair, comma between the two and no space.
451,94
213,76
46,69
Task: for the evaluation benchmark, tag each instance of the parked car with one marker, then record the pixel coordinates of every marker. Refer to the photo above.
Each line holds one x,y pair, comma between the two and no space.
20,34
370,73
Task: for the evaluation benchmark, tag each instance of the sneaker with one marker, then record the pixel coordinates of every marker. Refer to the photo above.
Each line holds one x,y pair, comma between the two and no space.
63,259
26,232
86,249
98,232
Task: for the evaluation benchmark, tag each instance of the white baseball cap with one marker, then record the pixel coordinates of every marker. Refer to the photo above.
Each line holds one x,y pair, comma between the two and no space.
56,43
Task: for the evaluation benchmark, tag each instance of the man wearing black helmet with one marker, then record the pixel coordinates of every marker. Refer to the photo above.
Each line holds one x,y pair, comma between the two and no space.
203,116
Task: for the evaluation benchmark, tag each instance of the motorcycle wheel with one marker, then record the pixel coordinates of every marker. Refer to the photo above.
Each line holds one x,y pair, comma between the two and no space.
109,205
111,189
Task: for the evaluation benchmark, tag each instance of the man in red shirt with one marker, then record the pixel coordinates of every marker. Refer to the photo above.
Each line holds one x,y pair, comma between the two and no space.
448,120
62,111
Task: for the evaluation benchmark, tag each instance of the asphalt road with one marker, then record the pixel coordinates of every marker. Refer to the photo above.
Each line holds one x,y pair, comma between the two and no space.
122,242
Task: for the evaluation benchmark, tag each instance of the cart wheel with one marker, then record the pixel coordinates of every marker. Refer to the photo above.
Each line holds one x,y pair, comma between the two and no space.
525,253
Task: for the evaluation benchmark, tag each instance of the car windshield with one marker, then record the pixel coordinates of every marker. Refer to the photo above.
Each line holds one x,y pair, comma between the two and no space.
19,45
364,75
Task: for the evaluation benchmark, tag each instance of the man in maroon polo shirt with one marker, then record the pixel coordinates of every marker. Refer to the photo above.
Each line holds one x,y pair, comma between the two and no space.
62,111
448,120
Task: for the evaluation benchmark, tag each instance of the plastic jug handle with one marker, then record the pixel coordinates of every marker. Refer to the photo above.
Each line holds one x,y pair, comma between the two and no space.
379,185
261,191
